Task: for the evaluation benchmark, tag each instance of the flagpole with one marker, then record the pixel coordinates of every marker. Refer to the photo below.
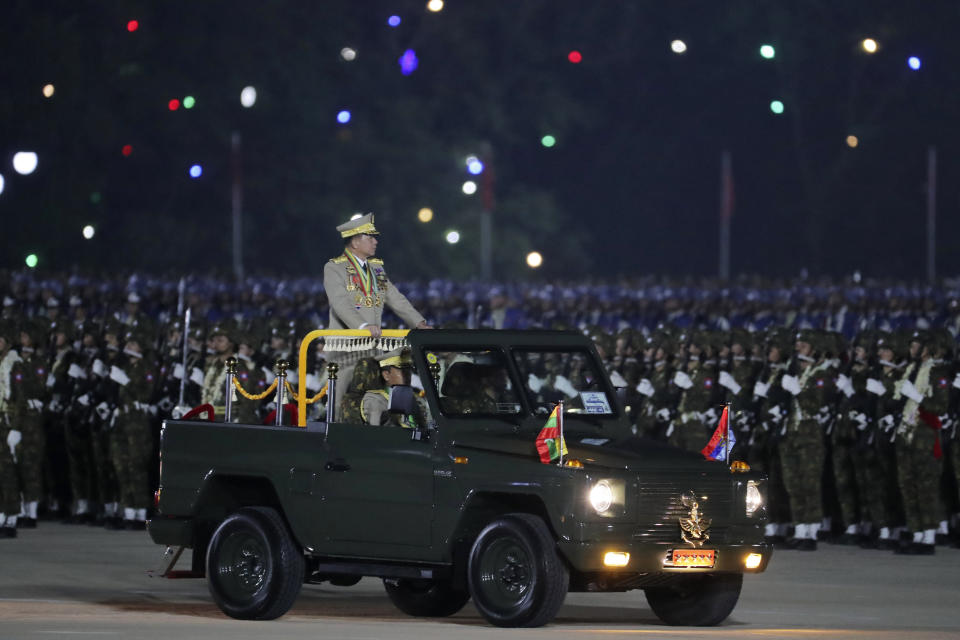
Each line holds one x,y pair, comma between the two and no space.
726,435
560,424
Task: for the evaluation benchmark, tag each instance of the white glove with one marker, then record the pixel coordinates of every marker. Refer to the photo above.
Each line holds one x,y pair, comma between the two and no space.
682,380
760,389
13,439
791,384
178,371
887,422
103,410
823,416
728,381
270,375
99,368
907,389
84,399
196,376
535,383
645,388
76,372
564,385
845,384
119,375
663,415
956,381
876,387
776,413
710,415
51,380
55,406
617,380
860,419
313,383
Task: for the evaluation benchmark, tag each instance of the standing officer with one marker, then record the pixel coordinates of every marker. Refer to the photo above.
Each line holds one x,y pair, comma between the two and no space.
357,288
213,392
29,377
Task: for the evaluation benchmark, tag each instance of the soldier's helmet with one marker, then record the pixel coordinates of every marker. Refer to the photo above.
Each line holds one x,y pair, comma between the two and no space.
113,327
742,337
893,342
8,331
138,335
782,340
945,341
224,328
36,329
867,339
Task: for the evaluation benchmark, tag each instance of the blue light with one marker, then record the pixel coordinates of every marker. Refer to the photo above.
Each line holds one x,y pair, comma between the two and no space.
913,62
474,166
408,62
196,171
343,117
393,21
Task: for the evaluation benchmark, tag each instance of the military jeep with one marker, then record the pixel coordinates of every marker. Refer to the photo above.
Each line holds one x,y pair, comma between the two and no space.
461,507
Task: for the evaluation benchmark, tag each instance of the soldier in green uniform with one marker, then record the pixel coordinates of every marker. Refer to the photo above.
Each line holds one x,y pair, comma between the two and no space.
251,377
658,389
739,381
132,443
395,369
215,376
925,390
365,378
9,435
699,396
105,401
802,448
29,377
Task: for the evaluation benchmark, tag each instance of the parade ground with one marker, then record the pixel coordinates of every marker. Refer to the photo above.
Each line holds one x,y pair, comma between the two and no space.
62,581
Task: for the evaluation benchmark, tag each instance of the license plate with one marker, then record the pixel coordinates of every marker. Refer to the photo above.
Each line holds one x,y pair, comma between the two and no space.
694,557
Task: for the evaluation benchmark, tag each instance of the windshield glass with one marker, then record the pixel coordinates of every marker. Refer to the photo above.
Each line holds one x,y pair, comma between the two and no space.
474,382
571,376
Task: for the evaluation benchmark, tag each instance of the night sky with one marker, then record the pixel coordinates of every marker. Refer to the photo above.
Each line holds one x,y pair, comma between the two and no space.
631,186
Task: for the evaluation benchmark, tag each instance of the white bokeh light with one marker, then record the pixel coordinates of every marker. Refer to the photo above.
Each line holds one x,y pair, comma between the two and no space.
348,54
24,162
534,259
248,97
469,187
89,231
453,237
2,182
678,46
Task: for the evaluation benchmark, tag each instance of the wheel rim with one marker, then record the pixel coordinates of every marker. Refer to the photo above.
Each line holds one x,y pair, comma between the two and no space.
243,566
506,574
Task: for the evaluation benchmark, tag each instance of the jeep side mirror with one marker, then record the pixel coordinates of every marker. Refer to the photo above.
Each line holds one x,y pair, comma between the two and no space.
401,399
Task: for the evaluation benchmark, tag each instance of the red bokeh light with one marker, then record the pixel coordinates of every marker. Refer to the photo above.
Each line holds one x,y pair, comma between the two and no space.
574,57
132,26
173,105
127,149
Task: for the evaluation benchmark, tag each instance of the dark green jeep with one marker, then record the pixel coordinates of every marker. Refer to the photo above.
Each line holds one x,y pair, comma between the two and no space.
460,506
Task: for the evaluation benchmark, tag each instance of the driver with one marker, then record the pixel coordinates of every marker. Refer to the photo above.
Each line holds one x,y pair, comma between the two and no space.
395,369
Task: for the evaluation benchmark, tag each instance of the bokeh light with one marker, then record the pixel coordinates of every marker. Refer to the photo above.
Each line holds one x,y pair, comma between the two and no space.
575,57
869,45
534,259
777,107
173,105
767,51
452,236
89,232
425,214
32,260
25,162
469,187
348,54
393,21
48,91
548,141
2,182
408,62
474,166
678,46
343,116
248,97
196,171
127,149
435,6
914,63
132,26
188,102
852,141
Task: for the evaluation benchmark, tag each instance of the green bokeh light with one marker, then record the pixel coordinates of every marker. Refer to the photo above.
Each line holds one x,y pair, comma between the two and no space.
188,102
95,197
32,260
548,141
777,107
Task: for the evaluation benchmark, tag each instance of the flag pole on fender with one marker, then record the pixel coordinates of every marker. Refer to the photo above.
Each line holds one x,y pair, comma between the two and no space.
560,425
726,436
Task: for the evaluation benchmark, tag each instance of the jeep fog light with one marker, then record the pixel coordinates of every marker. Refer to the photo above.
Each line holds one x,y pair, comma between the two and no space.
752,561
601,497
754,499
616,559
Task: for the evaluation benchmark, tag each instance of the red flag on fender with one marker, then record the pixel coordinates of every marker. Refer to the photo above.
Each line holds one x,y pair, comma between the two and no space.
722,440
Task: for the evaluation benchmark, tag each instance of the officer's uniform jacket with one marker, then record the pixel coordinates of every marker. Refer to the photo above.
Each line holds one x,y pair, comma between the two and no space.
351,306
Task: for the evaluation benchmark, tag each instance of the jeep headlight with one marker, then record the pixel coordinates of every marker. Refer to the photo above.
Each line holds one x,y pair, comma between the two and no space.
754,499
601,497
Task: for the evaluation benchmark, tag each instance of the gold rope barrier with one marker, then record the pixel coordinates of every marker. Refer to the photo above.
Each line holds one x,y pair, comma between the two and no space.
319,333
258,396
316,398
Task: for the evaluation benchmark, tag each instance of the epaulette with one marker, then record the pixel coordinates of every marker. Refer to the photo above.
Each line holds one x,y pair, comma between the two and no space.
339,259
375,261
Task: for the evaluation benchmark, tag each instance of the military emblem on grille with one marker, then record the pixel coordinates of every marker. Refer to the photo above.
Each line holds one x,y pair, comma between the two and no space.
694,529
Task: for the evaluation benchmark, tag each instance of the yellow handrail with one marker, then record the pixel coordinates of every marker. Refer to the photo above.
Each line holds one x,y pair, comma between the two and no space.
322,333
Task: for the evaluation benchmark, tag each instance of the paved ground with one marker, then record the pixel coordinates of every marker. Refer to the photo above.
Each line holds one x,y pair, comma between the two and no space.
64,581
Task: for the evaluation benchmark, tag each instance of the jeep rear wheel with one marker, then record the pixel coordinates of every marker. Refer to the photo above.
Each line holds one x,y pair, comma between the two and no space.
425,598
698,601
254,569
515,576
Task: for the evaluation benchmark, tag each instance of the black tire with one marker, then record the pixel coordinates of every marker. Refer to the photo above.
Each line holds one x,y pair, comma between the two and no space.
426,598
254,569
699,601
515,575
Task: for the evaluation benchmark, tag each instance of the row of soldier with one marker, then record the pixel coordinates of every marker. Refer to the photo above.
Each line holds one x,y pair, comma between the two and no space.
859,439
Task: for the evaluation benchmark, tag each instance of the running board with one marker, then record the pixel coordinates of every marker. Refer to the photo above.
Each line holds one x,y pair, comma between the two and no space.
380,570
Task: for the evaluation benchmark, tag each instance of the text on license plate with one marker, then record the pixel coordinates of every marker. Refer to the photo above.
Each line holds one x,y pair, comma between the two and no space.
694,557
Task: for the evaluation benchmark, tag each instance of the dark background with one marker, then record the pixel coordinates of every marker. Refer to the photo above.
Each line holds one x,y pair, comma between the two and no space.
631,187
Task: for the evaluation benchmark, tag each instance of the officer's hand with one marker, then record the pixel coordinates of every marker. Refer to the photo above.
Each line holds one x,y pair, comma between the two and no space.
424,325
374,330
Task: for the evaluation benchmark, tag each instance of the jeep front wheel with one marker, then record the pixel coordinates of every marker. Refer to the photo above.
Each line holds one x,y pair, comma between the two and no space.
697,601
515,576
425,598
254,569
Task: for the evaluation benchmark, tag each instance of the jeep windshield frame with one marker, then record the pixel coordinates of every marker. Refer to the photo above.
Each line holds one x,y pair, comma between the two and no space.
584,388
475,381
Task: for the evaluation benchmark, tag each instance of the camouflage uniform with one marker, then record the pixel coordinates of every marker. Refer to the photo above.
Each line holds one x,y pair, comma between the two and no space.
29,395
697,406
366,377
9,482
132,443
763,447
